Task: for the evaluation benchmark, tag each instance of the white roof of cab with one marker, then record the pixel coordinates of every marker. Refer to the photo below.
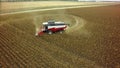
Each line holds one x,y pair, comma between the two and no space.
59,22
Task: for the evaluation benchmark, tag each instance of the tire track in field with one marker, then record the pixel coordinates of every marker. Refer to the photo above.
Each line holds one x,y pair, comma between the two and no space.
57,8
74,26
62,17
78,28
79,23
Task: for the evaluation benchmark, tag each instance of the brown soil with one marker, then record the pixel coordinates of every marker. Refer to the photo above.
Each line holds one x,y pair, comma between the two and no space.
95,45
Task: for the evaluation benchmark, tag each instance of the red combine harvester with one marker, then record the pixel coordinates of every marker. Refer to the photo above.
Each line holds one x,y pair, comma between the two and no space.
51,27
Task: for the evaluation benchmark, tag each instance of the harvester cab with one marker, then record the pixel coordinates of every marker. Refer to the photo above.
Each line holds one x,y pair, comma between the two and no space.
51,27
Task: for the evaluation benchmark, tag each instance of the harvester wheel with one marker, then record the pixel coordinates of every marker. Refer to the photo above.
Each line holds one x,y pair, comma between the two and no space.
61,31
50,32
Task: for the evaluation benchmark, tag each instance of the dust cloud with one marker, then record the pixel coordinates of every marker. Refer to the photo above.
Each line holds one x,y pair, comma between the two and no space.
75,23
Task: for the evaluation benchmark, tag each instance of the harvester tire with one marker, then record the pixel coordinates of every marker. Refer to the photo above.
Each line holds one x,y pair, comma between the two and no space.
50,32
61,31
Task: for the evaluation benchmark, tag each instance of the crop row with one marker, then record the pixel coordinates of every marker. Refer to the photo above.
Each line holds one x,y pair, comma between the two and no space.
28,52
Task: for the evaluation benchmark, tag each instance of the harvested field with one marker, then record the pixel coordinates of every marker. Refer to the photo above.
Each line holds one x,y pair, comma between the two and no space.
19,5
6,7
92,41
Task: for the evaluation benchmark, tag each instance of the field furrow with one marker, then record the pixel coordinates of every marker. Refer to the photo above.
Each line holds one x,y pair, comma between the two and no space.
31,50
91,41
15,59
21,57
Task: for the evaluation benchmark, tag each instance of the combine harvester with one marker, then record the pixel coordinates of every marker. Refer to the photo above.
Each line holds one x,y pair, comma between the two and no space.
51,27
